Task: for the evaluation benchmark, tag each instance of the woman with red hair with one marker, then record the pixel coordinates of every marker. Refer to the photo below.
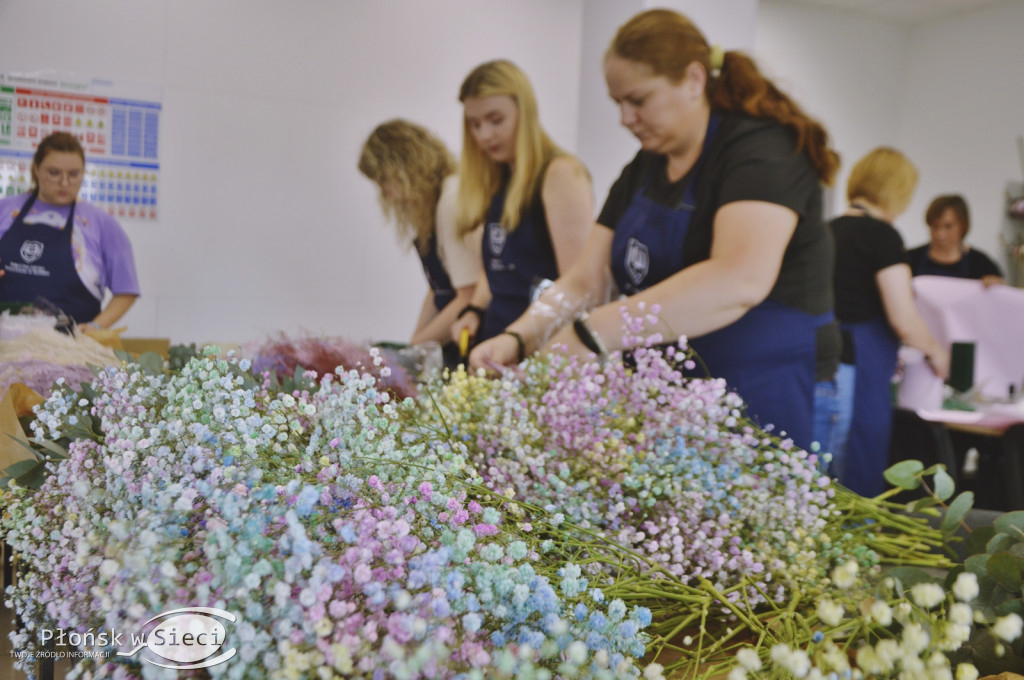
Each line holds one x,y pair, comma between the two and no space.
717,220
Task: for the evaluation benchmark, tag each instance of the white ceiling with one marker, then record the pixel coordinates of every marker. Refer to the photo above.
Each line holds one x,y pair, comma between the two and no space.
906,12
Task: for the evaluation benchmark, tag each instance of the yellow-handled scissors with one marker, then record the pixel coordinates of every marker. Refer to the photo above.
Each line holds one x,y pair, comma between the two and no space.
463,343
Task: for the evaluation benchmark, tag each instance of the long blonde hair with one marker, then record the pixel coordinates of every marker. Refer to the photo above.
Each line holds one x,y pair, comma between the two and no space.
480,177
409,164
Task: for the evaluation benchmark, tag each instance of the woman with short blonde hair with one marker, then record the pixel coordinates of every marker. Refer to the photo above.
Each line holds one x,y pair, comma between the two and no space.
876,311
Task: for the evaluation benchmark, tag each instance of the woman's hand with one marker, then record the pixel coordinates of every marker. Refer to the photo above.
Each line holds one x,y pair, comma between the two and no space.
938,359
991,280
492,355
469,321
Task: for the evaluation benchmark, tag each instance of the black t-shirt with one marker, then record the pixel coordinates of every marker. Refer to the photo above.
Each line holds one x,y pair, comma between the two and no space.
751,159
973,265
864,247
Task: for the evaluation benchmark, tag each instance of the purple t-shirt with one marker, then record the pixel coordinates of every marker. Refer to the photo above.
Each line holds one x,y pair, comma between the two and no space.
101,249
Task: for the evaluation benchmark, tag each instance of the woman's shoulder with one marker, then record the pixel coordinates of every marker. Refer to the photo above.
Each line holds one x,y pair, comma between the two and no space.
743,134
565,167
96,218
14,201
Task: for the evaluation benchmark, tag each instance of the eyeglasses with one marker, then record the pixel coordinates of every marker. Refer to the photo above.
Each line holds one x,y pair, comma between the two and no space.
59,176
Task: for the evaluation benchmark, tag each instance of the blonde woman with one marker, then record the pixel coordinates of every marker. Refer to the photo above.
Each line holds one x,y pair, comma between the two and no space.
535,200
876,310
416,175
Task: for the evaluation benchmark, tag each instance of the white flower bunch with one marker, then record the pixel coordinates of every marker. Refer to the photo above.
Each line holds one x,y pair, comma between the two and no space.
895,632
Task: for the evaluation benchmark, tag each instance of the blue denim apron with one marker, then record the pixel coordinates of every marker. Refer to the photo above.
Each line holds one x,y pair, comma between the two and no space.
437,276
38,263
767,356
876,348
514,261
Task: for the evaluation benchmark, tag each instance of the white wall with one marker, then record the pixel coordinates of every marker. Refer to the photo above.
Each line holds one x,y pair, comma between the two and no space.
265,223
963,109
947,93
845,70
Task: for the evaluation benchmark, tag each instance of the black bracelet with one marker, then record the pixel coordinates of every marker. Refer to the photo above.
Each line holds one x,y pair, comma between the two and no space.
588,337
519,342
479,311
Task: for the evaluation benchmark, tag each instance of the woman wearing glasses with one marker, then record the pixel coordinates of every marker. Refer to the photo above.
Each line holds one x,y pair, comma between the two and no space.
58,249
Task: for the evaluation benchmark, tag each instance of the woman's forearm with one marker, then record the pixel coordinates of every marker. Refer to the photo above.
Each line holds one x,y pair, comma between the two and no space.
118,306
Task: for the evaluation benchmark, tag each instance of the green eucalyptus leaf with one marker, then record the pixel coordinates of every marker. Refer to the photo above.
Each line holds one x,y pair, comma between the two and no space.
927,503
958,509
909,577
1000,543
56,449
152,363
932,469
905,474
1005,568
21,467
988,662
1011,523
1014,606
34,477
977,542
124,356
944,484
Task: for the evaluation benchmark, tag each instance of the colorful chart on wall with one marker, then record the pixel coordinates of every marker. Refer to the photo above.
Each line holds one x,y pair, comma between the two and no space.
117,123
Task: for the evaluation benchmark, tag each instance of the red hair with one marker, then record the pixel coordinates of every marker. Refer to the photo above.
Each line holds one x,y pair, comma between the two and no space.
668,42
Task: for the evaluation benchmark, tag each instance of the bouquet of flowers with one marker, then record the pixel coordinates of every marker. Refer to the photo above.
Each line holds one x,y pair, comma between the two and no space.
571,519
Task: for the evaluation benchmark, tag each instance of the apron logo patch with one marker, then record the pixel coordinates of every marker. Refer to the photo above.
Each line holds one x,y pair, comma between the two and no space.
638,259
496,237
31,251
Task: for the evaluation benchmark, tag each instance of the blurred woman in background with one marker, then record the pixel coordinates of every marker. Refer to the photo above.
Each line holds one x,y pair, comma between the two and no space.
947,254
419,187
876,311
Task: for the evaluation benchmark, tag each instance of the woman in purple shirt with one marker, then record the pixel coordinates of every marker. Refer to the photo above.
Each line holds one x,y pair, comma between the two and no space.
56,249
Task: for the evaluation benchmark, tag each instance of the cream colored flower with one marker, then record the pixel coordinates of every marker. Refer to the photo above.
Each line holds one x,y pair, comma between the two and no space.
881,612
845,575
889,652
966,671
966,588
927,595
830,612
1008,627
869,662
749,659
961,613
915,638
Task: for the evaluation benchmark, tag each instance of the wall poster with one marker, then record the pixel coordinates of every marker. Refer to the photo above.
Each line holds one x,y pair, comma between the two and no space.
117,123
